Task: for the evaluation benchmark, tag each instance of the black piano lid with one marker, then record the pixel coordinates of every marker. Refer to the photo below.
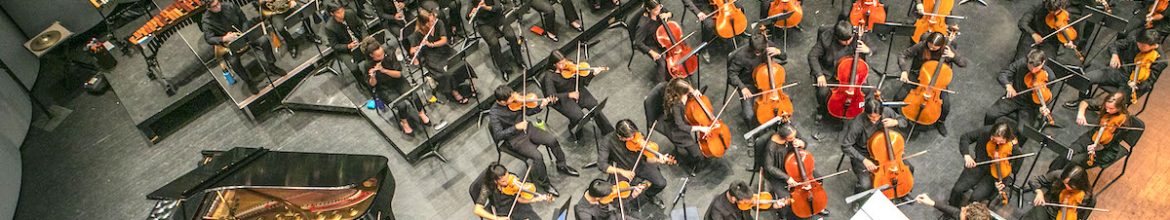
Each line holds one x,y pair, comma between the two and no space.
252,167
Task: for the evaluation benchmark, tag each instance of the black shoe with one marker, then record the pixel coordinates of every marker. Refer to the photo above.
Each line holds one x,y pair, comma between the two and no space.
553,191
1072,104
567,170
293,52
942,128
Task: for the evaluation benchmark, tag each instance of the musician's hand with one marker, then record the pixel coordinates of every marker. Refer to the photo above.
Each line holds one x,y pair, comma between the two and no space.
351,45
1131,84
501,218
798,143
1092,148
948,53
1070,45
1081,119
702,16
654,55
920,9
905,76
792,182
702,129
399,16
821,82
1011,91
523,125
1036,38
999,186
628,174
231,36
637,191
1045,111
575,95
1114,61
869,165
1039,200
889,122
1156,17
968,161
745,92
545,102
772,51
862,48
924,199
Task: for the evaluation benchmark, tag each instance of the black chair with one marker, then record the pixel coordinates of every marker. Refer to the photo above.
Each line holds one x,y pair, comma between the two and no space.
502,146
1129,137
1142,93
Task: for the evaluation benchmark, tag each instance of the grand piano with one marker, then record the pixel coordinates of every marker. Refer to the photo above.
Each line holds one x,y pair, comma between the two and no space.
256,183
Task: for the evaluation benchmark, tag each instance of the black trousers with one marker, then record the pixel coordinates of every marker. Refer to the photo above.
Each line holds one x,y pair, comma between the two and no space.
748,106
685,145
573,110
526,145
547,14
1002,108
521,212
978,180
570,10
402,109
649,172
1080,156
278,22
946,101
823,94
491,34
1106,77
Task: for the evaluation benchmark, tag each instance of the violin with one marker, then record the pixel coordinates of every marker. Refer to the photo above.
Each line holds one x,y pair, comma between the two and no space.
845,101
520,102
623,190
669,36
772,102
521,189
569,70
865,13
698,113
1069,197
648,148
763,201
1105,132
805,201
729,20
886,148
785,6
935,20
1141,71
1041,94
1001,169
1058,20
924,103
1157,8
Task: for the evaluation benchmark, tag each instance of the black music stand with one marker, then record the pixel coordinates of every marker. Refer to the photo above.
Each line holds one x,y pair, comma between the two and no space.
888,30
1103,19
1061,71
562,213
593,112
258,31
1046,141
303,15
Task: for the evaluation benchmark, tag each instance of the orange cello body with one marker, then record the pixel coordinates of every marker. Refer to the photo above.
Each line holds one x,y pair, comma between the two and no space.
886,147
698,113
845,102
936,22
770,76
1072,198
924,103
799,164
867,12
1001,169
669,34
784,6
729,20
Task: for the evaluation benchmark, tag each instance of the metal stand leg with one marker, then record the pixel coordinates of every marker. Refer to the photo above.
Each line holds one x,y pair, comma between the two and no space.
981,2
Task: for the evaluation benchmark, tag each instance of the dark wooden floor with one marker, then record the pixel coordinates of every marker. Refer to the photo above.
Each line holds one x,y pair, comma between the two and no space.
96,165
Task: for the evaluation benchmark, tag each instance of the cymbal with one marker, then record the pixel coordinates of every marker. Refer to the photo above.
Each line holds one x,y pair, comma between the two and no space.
45,40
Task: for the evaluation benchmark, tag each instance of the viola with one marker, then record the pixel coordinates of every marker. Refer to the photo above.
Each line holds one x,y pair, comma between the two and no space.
569,70
846,101
865,13
924,103
935,20
772,102
886,148
1157,8
729,20
799,165
649,149
1069,197
1056,21
698,113
1141,71
763,201
1105,133
1001,169
520,102
623,190
526,190
669,36
1041,94
785,6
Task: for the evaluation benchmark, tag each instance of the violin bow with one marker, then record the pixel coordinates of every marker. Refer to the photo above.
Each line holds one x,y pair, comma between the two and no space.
819,178
1073,207
715,120
1061,29
621,205
1118,127
1005,158
520,191
770,90
759,189
1031,89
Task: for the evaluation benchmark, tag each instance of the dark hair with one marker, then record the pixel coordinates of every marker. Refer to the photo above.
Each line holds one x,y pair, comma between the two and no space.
937,39
333,6
978,211
1054,5
650,5
369,45
429,6
676,88
1036,58
493,172
874,106
1149,36
784,129
599,188
1122,99
1004,129
1077,177
503,92
626,128
843,30
739,190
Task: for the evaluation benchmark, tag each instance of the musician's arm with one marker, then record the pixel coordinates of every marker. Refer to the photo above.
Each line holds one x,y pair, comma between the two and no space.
734,69
814,59
908,55
211,35
643,34
1005,75
850,138
770,162
500,128
603,156
965,141
1025,22
959,60
690,5
334,41
1119,45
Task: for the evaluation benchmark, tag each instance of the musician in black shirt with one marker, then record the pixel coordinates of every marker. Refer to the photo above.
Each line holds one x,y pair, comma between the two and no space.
384,77
1012,79
491,202
724,205
934,46
1049,187
675,126
573,96
741,67
393,15
597,204
780,144
974,211
489,22
646,41
1033,28
614,158
1122,61
832,44
344,34
978,179
276,19
224,23
510,126
432,44
858,131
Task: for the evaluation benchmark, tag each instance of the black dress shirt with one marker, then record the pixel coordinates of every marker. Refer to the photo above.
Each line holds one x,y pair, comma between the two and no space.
827,50
858,131
229,19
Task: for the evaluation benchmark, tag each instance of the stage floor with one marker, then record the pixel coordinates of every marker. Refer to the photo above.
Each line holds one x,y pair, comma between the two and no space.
95,164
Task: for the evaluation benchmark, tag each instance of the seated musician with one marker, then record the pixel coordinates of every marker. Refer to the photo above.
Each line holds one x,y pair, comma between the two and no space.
548,17
392,14
510,126
646,41
490,24
725,205
1123,52
614,158
343,32
973,211
933,47
1033,29
705,10
1012,79
777,150
858,131
1068,183
595,206
385,77
573,97
438,56
979,179
1115,104
492,203
832,44
1157,21
276,18
741,67
224,23
675,125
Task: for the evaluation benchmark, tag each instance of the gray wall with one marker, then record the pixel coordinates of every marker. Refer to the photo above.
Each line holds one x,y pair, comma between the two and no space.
15,111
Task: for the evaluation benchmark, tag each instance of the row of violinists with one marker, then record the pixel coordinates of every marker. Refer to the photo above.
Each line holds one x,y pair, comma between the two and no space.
871,138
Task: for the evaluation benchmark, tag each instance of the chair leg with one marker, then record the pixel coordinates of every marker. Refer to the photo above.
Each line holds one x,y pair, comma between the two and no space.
840,161
1124,166
1144,103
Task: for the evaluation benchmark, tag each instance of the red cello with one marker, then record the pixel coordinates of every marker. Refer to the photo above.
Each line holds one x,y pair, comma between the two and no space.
867,13
669,36
799,165
698,113
846,99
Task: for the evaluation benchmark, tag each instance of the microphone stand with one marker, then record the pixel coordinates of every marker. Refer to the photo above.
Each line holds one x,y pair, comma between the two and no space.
682,194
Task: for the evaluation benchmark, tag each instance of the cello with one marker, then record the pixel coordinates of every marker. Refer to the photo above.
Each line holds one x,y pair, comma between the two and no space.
785,6
935,20
886,148
729,20
771,101
669,36
846,100
867,13
698,113
808,198
924,103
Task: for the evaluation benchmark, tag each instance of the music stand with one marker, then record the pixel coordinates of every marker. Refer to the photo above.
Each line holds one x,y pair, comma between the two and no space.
877,206
593,112
686,212
258,31
1103,19
562,213
301,16
888,30
1079,82
1046,141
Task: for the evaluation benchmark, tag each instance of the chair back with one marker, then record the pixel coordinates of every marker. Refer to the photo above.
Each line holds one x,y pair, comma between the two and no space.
1131,137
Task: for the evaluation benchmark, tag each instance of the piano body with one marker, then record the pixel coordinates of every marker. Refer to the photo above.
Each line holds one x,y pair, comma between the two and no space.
255,183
